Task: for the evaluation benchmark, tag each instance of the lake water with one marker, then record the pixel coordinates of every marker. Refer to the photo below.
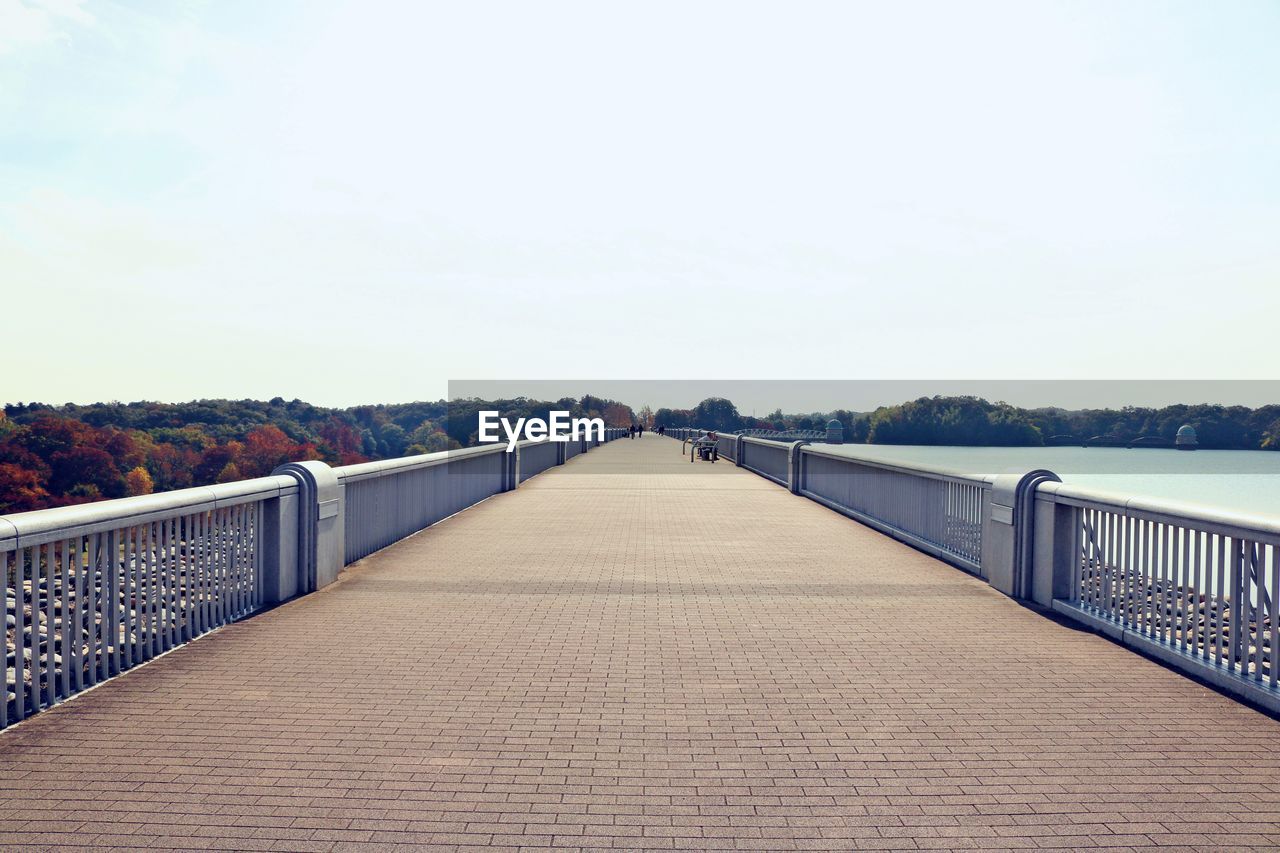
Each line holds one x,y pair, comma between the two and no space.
1242,480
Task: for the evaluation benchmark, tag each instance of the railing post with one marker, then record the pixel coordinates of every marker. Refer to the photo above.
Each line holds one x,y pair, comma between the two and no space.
511,469
794,466
1008,522
280,574
320,523
1056,550
562,452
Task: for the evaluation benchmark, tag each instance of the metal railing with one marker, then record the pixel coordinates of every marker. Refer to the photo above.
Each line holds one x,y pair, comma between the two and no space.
935,510
95,589
1197,587
770,459
538,456
388,500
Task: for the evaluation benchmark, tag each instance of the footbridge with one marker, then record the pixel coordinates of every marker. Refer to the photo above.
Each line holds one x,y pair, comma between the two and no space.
608,645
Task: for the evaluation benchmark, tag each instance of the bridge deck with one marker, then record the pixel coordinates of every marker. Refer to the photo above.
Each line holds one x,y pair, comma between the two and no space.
632,651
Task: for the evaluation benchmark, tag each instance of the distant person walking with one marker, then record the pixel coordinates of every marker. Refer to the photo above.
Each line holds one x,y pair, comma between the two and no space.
640,430
662,430
632,430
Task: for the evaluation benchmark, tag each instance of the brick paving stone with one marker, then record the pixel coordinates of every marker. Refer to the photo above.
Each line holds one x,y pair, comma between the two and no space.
633,652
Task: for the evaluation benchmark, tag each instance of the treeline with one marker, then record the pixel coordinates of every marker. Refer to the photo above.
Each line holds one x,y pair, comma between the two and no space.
972,421
59,455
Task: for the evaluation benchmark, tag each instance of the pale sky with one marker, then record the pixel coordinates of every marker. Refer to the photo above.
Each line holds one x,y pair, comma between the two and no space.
359,202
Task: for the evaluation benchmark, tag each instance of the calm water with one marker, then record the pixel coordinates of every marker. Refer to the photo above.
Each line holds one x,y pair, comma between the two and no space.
1244,480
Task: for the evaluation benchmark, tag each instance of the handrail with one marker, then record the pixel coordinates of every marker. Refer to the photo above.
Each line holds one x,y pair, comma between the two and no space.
1209,518
767,442
37,527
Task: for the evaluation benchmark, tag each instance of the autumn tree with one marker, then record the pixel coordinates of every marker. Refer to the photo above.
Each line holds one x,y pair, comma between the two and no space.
85,467
267,448
617,415
138,482
21,489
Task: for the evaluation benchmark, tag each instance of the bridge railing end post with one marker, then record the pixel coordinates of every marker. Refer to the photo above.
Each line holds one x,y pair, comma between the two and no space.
1009,531
320,524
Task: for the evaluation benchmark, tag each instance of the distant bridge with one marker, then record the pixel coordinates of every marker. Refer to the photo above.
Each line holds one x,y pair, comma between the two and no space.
609,645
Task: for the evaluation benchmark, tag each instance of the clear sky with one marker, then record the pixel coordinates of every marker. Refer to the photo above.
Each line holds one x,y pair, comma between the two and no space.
358,202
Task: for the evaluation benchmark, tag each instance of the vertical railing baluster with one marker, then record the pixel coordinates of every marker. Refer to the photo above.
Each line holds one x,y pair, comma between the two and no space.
1275,612
1150,574
1197,593
258,546
1170,596
89,610
233,563
1077,585
175,579
1220,601
1258,605
207,552
50,563
230,588
240,549
203,532
1233,638
193,575
155,582
117,583
77,627
1171,586
141,546
1162,587
133,625
224,567
1180,618
1153,592
1089,558
1112,525
1157,580
4,673
215,568
164,569
1124,567
64,605
20,635
147,599
187,596
168,579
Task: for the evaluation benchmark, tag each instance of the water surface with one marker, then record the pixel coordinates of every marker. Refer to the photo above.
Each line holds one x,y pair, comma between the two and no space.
1242,480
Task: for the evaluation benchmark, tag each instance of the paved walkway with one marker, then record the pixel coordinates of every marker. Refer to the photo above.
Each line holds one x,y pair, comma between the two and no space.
632,651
